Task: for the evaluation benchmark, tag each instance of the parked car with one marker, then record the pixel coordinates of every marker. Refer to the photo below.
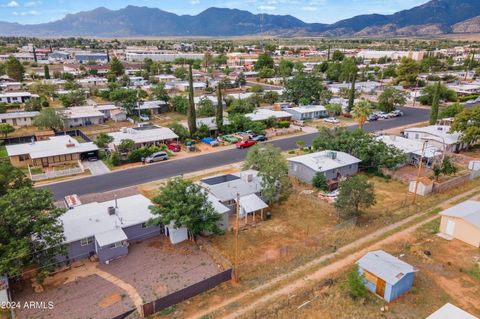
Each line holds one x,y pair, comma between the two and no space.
174,147
372,117
382,115
144,118
245,144
259,138
250,134
299,123
396,113
229,138
331,120
157,157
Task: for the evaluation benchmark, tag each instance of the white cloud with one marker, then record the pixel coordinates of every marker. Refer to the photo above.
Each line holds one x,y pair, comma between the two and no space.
309,8
13,4
32,4
266,8
194,2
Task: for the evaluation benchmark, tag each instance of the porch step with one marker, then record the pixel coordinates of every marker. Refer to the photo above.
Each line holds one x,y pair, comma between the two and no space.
445,236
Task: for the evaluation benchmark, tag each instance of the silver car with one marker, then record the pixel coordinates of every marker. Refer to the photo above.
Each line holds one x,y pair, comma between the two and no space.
157,157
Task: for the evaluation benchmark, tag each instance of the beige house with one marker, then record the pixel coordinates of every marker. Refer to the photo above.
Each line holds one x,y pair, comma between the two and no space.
56,150
18,119
462,222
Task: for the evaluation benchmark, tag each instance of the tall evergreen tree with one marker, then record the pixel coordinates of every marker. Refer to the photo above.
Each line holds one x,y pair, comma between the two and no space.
435,104
35,55
192,118
46,71
14,69
219,113
351,99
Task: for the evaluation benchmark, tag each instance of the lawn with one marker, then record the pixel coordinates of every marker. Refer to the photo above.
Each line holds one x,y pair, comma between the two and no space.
3,151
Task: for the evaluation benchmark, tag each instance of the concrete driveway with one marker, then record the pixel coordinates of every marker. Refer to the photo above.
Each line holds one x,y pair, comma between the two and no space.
96,167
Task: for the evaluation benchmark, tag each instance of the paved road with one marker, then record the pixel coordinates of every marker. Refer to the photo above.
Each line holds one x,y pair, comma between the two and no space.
148,173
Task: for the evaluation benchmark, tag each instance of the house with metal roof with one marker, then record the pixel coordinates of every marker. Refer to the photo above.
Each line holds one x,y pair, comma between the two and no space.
143,136
413,149
16,97
56,150
449,311
265,114
307,112
439,136
333,164
18,119
386,275
462,222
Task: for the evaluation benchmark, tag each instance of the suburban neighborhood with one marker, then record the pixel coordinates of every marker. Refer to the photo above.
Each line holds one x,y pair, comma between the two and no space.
263,167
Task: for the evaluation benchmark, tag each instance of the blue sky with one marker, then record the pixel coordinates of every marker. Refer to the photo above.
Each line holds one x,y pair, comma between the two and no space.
324,11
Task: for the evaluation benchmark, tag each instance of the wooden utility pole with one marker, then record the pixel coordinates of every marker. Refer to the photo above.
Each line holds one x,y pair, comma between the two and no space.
418,173
237,258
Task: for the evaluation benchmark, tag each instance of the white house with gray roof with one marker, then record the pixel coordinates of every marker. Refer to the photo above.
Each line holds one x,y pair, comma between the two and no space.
333,164
18,119
439,136
462,222
307,112
413,149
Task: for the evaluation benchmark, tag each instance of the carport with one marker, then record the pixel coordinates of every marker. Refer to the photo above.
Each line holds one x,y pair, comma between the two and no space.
250,204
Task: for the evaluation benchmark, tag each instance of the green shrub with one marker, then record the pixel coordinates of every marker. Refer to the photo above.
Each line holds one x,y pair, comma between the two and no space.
356,286
283,124
319,181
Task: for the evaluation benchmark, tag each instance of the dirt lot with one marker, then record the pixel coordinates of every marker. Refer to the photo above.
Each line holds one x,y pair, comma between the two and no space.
445,276
153,268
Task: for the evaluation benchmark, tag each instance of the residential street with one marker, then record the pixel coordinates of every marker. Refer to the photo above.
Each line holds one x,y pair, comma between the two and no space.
148,173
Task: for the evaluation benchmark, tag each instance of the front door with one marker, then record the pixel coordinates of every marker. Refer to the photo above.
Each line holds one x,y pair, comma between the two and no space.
380,287
450,227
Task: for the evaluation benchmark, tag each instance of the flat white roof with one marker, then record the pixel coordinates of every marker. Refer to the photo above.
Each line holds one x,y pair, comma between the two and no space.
110,237
449,311
307,108
81,112
55,145
409,146
323,161
93,219
251,203
228,189
18,94
16,115
385,266
265,114
143,135
468,210
437,132
211,122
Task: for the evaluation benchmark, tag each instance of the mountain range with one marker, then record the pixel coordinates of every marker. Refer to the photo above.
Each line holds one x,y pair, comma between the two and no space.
432,18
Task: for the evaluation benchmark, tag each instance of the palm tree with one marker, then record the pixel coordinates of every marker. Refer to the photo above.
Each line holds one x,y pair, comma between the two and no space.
361,111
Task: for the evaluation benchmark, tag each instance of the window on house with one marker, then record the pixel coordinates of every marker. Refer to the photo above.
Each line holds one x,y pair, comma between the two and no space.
116,245
86,241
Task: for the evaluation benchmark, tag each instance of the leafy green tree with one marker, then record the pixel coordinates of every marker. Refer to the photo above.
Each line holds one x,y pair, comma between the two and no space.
42,89
46,71
181,73
49,118
116,67
356,285
390,98
14,69
159,92
191,116
180,130
11,177
73,98
271,97
6,129
264,61
205,108
338,55
30,232
273,170
354,194
180,104
435,104
325,97
103,140
407,71
334,109
202,131
347,70
303,86
285,68
207,60
72,85
374,154
319,181
126,146
185,204
240,80
448,167
444,93
468,123
451,111
361,111
241,106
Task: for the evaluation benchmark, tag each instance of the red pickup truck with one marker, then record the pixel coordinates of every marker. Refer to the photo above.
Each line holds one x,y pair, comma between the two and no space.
245,144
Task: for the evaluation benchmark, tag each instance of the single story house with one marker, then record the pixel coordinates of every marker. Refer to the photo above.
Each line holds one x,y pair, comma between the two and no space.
154,107
10,86
438,136
143,136
449,311
210,122
105,229
466,89
118,115
307,112
413,149
386,275
265,114
93,82
16,97
18,119
334,165
462,222
83,116
55,150
85,57
247,184
183,86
